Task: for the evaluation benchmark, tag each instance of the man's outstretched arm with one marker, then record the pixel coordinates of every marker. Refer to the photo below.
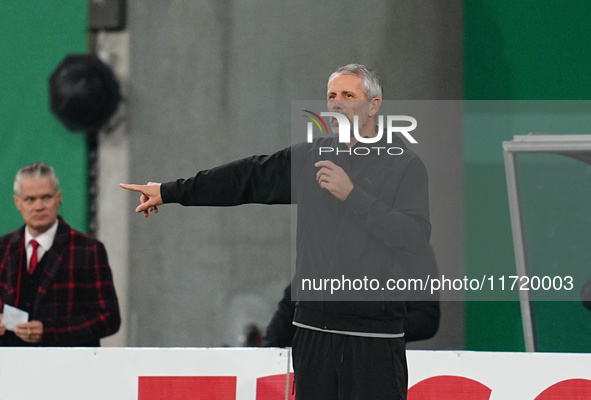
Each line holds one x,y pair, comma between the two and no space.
257,179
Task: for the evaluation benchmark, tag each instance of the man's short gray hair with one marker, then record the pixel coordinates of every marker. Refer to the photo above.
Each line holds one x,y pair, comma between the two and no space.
370,80
36,170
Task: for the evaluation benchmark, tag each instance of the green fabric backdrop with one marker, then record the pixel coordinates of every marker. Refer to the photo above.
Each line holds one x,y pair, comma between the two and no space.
36,36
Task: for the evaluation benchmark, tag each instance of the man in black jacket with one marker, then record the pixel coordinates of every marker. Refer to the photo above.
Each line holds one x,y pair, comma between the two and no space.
362,214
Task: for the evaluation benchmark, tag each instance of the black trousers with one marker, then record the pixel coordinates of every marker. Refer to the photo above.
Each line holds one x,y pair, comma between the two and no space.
331,366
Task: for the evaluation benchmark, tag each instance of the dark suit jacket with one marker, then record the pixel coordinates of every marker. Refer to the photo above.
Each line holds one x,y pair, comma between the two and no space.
75,297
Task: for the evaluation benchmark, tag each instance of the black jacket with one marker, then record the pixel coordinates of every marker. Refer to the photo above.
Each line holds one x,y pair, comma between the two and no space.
373,233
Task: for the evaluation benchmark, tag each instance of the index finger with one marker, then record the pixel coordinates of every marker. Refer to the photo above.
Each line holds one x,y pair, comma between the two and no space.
135,188
325,163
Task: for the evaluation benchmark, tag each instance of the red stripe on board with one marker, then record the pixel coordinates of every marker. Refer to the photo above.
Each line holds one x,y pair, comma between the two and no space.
572,389
273,387
448,387
187,388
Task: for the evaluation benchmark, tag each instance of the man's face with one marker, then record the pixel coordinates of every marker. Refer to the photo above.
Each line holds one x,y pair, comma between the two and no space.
38,202
341,89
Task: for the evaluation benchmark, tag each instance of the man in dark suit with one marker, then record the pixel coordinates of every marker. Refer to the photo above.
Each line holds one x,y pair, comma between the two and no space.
59,276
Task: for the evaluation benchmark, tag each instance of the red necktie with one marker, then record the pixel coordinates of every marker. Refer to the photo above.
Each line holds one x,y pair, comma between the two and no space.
34,261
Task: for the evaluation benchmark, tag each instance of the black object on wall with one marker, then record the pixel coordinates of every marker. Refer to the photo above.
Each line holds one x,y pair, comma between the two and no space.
84,92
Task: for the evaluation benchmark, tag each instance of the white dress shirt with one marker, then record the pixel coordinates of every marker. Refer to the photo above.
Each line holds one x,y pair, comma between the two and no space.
45,241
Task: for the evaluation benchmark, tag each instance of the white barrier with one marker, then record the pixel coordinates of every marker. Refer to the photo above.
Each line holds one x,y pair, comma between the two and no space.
264,374
138,373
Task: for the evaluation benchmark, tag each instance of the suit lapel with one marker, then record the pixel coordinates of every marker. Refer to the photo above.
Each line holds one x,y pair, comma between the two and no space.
13,264
52,260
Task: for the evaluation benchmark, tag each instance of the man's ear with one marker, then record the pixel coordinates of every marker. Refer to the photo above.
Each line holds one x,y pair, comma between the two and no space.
374,106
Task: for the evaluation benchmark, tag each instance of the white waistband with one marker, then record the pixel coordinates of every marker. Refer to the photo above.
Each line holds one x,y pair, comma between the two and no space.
360,334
